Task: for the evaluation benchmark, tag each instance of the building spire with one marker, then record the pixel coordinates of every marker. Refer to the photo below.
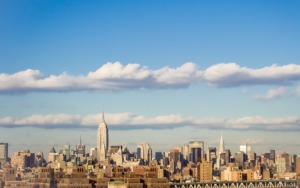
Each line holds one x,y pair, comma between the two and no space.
80,140
221,149
103,120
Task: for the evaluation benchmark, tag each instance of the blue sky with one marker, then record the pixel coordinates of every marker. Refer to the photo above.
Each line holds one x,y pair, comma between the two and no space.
167,72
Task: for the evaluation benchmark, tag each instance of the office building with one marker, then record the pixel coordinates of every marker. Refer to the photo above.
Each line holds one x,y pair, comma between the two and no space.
272,155
298,165
3,151
243,148
196,151
204,171
144,151
240,158
52,156
102,140
80,151
23,159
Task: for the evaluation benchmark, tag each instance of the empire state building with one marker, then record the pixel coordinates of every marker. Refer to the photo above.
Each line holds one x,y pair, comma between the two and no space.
102,140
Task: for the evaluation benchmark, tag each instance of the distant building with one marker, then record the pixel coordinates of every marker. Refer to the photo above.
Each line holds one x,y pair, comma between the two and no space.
240,158
243,148
65,150
158,156
298,165
272,155
52,156
116,154
283,163
196,151
220,153
23,159
102,140
3,153
204,171
144,151
93,153
175,156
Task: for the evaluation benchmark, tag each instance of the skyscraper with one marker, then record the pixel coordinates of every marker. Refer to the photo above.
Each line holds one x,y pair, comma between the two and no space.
102,140
3,151
144,151
221,151
196,151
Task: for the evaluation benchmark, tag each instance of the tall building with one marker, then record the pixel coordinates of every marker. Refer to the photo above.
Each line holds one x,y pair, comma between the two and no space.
298,165
65,150
3,151
93,153
102,140
283,163
80,149
52,156
240,158
23,159
196,151
144,151
175,156
211,153
204,171
272,155
222,146
158,156
220,152
243,148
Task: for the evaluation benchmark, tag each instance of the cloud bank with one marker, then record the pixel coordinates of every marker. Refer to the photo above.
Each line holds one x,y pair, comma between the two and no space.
116,76
129,121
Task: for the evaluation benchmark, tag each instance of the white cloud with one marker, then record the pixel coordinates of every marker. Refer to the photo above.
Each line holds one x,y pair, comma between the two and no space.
272,94
129,121
116,76
232,74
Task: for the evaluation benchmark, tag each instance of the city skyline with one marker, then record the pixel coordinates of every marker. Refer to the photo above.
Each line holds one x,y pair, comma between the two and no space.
164,72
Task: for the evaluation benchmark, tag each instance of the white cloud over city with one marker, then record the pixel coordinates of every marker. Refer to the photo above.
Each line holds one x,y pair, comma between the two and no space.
129,121
116,76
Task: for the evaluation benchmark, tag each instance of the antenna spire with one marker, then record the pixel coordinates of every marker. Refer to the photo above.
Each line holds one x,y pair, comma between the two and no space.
103,120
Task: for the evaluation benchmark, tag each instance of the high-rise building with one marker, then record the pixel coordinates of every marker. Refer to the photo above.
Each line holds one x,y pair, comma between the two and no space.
272,155
175,156
93,153
298,165
222,146
158,156
204,171
196,151
243,148
144,151
221,151
65,150
240,158
80,149
283,163
102,140
3,151
211,153
185,152
52,156
23,159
